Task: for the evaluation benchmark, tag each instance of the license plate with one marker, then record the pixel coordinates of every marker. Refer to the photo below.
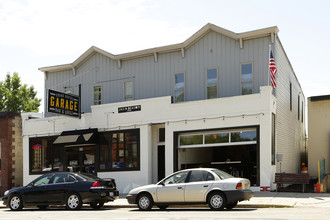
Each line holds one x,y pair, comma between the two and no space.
111,194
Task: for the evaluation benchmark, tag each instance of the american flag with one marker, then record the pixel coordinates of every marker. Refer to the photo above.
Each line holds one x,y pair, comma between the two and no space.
273,70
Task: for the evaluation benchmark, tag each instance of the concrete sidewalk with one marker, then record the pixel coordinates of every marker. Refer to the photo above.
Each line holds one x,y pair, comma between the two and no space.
260,200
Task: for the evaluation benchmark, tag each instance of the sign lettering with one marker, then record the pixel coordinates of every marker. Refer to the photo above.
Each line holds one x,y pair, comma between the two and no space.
62,103
133,108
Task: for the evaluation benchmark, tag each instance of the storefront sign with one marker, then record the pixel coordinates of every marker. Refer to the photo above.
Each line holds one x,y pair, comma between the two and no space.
133,108
36,147
64,104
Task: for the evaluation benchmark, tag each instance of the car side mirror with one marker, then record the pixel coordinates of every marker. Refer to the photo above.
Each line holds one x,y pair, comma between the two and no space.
162,183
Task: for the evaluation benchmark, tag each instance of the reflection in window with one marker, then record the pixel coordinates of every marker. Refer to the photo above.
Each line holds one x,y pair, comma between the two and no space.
40,151
119,150
212,83
216,138
191,139
43,181
243,136
179,87
176,178
200,175
97,95
246,79
129,90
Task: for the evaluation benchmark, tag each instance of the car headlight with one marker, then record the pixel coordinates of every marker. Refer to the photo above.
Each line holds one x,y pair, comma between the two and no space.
6,193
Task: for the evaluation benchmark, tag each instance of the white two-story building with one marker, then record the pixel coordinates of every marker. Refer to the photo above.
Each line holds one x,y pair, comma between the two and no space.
205,102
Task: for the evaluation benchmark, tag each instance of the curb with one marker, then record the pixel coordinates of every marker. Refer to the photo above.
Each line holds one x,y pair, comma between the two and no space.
253,206
206,206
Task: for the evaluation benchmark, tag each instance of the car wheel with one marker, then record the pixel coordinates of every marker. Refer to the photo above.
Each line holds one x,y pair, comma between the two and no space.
231,205
145,202
15,202
162,207
217,201
73,201
42,207
97,205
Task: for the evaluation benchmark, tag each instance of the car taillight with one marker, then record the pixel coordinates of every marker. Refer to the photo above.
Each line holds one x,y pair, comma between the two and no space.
96,185
239,186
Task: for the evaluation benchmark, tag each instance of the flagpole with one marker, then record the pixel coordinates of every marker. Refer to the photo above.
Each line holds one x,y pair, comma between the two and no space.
268,62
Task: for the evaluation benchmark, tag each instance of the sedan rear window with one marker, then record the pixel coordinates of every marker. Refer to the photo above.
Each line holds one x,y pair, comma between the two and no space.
223,175
87,176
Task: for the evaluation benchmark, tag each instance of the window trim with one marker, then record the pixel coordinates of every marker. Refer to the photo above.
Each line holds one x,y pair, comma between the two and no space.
241,92
229,143
302,111
31,153
298,107
133,89
290,96
206,85
110,146
273,139
184,86
100,91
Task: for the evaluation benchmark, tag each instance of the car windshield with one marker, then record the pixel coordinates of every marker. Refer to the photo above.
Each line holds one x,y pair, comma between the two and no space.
223,175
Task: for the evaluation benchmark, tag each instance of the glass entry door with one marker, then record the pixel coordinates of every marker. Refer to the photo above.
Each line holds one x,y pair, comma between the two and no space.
81,159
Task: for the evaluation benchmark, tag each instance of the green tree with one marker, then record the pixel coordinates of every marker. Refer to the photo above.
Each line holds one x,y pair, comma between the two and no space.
15,97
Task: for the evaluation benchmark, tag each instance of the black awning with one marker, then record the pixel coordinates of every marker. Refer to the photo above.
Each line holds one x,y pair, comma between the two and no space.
78,138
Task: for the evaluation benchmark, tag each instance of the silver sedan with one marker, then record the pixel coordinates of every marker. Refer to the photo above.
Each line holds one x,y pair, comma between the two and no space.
209,186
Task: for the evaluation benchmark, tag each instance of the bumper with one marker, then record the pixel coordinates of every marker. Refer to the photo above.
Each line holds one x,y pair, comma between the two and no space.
238,195
5,201
100,196
131,199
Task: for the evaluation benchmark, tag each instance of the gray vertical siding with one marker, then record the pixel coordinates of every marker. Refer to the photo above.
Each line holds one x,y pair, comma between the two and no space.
290,130
156,79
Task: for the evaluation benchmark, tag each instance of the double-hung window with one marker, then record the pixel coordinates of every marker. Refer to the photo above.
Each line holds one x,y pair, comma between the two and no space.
246,79
212,83
179,87
129,90
97,95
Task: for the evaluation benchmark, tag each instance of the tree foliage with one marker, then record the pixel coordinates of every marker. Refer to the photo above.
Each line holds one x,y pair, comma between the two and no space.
15,97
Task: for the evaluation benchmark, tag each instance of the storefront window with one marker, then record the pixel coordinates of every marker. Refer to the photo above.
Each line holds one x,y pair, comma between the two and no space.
40,152
243,136
217,138
191,139
120,150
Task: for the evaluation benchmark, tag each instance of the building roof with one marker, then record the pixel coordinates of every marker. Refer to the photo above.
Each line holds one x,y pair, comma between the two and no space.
319,98
165,49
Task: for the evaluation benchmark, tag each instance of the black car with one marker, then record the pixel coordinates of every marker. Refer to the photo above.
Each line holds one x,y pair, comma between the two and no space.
62,188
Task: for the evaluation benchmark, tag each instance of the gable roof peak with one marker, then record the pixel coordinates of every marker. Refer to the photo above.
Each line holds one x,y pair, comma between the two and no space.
165,49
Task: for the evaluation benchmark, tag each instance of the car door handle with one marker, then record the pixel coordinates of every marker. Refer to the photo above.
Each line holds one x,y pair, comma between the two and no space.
206,185
179,187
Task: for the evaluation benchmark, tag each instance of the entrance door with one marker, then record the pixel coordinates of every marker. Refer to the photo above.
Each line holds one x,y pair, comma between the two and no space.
81,159
161,162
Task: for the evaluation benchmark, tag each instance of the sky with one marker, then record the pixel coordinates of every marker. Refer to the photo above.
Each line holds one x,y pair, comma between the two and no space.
41,33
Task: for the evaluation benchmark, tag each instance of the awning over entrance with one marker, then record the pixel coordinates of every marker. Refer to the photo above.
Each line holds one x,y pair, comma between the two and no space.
78,138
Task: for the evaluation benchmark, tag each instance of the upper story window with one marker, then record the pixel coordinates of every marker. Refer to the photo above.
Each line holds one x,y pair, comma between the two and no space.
302,111
179,87
246,79
129,90
298,107
97,95
212,83
290,96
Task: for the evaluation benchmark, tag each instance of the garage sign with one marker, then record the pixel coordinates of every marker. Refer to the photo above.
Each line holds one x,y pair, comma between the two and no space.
62,103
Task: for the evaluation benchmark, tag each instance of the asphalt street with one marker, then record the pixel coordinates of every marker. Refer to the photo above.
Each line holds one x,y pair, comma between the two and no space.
171,213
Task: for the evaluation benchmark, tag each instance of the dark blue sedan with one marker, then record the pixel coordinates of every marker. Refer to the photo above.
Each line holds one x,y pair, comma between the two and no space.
62,188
